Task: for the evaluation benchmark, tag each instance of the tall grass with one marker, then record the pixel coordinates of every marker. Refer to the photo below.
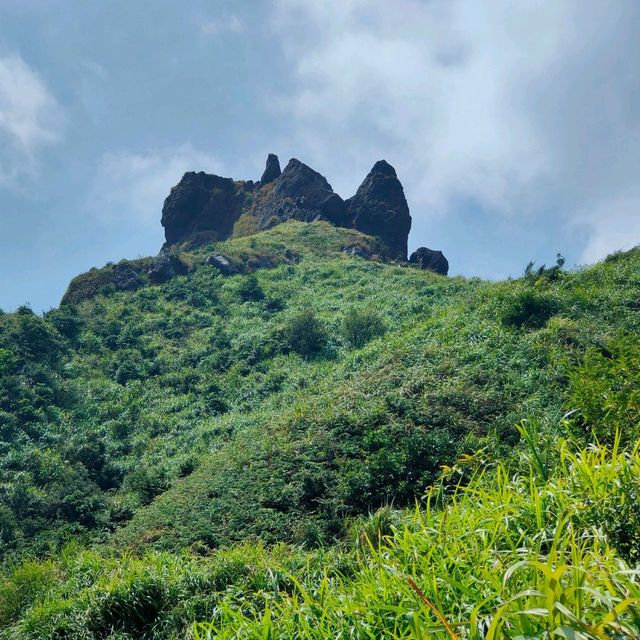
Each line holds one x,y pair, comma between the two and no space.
503,557
500,556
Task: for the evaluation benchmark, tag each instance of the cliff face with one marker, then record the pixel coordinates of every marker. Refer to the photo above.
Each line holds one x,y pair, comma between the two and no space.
379,208
204,207
300,193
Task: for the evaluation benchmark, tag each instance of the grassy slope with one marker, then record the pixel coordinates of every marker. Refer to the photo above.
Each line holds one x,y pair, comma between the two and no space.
179,416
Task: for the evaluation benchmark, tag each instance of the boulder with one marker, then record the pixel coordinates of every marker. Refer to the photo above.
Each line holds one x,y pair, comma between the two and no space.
380,209
221,263
430,260
272,170
125,278
203,205
165,267
356,251
300,193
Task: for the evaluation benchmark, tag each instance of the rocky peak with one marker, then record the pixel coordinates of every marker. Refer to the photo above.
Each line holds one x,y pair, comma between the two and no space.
379,208
300,193
430,260
382,167
272,170
203,205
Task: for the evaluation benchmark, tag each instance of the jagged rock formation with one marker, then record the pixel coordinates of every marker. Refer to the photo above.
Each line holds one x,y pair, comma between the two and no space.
272,170
203,207
379,208
430,260
300,193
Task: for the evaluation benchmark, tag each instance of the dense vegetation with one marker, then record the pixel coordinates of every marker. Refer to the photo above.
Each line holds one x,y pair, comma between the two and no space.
303,403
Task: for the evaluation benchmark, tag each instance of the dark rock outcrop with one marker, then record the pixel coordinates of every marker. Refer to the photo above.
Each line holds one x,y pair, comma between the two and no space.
430,260
165,267
203,208
380,209
203,205
126,275
272,170
221,263
300,193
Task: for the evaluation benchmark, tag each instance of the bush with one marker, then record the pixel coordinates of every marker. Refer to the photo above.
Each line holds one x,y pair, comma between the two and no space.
527,309
361,325
550,274
305,333
605,390
249,289
129,367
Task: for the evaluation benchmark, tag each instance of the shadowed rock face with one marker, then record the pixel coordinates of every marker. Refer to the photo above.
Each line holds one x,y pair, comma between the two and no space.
203,208
379,208
272,170
430,260
165,267
300,193
203,205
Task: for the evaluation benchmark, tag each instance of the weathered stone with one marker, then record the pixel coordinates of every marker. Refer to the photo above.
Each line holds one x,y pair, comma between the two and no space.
164,268
300,193
430,260
221,263
356,251
204,208
112,277
380,209
125,278
272,170
203,205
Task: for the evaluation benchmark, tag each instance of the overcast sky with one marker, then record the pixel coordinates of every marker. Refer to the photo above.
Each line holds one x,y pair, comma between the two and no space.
513,126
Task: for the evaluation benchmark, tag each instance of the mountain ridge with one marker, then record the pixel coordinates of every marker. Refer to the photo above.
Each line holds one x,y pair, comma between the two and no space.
205,210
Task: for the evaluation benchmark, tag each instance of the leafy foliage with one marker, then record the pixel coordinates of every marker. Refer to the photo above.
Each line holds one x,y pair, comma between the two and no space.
359,326
502,556
287,404
605,388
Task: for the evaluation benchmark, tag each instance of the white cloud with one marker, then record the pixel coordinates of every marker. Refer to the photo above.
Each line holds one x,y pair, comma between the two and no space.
133,186
614,225
520,107
230,24
30,119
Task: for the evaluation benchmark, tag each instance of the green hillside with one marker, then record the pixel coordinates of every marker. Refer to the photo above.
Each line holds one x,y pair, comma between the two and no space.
323,446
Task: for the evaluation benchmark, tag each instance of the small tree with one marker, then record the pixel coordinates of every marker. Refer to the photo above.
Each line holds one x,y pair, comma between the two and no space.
361,325
305,333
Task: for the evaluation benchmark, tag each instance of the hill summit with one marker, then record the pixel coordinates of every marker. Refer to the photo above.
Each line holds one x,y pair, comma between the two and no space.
202,207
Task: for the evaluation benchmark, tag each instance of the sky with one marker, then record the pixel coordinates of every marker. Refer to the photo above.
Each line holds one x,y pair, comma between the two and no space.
513,126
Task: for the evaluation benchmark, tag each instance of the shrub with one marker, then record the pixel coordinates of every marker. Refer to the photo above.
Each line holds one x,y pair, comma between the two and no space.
527,309
305,333
551,274
361,325
249,289
605,390
67,321
129,367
